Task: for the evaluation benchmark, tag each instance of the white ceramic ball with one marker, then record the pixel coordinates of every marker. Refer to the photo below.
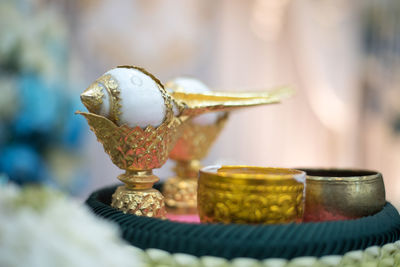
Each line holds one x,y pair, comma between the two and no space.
141,99
191,85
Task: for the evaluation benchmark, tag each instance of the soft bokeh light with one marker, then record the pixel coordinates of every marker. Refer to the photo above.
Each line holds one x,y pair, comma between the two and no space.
341,57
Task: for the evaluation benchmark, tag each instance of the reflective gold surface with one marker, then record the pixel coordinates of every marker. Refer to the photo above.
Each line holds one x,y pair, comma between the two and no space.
139,150
253,195
196,139
198,103
134,149
338,194
181,195
142,202
193,145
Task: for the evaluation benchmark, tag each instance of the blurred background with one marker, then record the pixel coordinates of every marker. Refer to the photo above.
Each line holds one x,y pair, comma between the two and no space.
341,57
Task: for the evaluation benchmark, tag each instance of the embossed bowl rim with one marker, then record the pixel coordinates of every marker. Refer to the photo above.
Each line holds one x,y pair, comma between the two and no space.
334,175
253,173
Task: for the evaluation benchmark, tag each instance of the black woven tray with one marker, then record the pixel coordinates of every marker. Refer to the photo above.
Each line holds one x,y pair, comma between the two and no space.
259,242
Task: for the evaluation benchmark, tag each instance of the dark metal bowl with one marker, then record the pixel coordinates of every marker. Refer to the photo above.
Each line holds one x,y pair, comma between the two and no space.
340,194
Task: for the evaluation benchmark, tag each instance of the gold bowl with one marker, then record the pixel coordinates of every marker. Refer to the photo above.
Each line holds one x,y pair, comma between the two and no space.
340,194
252,195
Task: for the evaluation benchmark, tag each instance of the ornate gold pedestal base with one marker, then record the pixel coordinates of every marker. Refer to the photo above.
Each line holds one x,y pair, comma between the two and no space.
180,192
181,195
141,202
137,195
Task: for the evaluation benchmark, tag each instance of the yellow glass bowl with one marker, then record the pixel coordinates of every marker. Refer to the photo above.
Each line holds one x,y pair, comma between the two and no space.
251,195
342,194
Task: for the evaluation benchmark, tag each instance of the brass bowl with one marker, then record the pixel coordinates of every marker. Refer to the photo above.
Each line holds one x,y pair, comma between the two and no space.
252,195
340,194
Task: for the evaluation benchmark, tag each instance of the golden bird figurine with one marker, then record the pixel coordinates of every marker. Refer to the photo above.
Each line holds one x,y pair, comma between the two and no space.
138,122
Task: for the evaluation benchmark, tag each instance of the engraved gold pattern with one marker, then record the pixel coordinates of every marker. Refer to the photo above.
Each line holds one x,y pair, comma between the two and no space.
148,202
276,199
113,90
193,145
196,139
181,193
137,151
134,148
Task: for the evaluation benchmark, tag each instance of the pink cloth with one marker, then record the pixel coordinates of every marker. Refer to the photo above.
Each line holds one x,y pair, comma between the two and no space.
187,218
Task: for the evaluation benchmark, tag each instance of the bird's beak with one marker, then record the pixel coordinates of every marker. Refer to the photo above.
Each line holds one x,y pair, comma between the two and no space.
92,97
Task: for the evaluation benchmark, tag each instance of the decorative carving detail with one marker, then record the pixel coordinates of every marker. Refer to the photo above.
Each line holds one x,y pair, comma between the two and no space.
134,148
148,202
196,140
181,192
191,147
137,151
231,203
111,85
